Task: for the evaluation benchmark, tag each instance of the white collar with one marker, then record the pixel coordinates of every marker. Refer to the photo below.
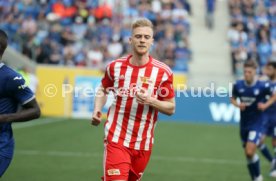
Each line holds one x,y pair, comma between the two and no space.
1,65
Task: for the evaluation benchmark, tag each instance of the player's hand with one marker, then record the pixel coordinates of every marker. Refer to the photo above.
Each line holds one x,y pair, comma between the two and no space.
242,106
96,118
142,97
262,106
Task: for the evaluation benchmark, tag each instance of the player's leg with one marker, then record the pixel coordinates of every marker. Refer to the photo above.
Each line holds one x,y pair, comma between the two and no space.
264,149
266,131
253,162
273,141
116,163
4,164
244,135
139,163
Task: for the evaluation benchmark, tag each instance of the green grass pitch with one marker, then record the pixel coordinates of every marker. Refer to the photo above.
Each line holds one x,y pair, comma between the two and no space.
60,149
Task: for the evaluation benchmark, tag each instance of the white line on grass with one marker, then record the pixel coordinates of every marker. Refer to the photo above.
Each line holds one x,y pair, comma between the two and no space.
159,158
41,121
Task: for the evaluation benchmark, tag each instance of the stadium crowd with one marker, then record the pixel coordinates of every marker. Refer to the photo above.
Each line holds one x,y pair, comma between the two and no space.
252,34
90,33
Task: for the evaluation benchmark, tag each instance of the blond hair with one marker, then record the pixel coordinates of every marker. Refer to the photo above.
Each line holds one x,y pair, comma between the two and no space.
141,22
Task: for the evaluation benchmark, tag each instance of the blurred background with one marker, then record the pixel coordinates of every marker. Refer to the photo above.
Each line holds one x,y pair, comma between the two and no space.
58,45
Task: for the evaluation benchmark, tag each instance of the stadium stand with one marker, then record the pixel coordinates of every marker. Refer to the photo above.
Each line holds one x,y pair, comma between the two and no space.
209,45
90,33
252,33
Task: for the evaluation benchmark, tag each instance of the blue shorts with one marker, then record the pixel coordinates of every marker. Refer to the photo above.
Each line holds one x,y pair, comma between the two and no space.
4,164
270,125
253,136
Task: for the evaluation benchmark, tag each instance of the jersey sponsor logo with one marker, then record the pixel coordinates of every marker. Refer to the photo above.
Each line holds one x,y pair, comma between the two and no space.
248,101
111,172
17,78
122,77
146,80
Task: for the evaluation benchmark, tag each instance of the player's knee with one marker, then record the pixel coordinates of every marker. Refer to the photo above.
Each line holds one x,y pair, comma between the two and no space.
249,153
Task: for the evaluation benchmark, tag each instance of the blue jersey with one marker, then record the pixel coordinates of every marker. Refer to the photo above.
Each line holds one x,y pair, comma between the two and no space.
272,109
13,92
270,116
251,118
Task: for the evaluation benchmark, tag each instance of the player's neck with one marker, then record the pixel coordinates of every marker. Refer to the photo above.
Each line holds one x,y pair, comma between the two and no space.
252,82
138,60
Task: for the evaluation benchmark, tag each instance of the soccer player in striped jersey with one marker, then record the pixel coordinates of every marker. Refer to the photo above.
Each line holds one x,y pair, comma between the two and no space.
252,93
142,86
13,93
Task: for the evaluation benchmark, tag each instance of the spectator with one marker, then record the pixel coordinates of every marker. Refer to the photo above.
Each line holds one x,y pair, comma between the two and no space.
209,16
252,34
91,33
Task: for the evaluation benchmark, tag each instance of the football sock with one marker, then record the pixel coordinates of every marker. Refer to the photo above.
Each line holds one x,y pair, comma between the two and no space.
254,166
263,148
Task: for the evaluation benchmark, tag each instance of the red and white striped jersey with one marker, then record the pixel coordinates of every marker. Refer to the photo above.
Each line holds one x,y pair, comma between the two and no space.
129,123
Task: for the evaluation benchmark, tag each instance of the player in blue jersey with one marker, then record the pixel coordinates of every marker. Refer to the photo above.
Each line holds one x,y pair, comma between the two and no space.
270,113
251,93
17,104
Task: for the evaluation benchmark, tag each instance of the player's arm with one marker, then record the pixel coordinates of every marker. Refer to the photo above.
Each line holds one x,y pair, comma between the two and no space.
268,91
234,99
166,106
163,102
237,104
100,100
16,88
269,102
101,95
27,112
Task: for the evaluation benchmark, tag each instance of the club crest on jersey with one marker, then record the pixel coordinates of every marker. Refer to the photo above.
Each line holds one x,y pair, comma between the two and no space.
145,80
122,77
256,92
